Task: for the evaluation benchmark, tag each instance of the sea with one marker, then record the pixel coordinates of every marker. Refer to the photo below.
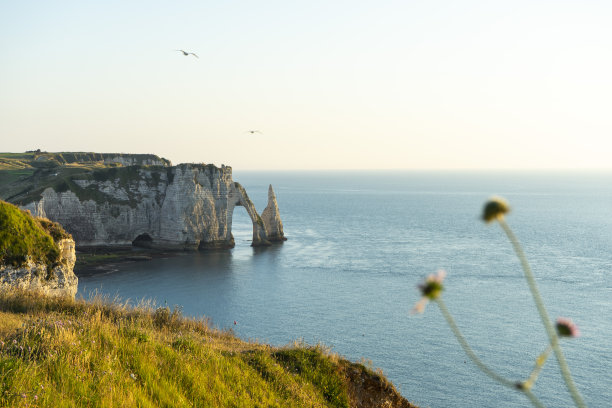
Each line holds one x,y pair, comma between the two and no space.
359,243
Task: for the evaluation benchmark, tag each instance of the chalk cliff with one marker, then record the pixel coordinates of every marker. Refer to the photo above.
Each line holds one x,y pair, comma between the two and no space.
35,254
58,279
188,206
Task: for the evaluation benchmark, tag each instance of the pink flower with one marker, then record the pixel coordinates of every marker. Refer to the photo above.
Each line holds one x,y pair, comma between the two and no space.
430,289
567,328
419,307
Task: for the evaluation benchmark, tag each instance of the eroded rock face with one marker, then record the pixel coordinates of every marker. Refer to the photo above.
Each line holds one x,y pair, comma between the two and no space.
271,218
59,280
188,206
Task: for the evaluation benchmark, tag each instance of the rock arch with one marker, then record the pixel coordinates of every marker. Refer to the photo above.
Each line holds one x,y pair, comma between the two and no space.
188,207
266,228
241,198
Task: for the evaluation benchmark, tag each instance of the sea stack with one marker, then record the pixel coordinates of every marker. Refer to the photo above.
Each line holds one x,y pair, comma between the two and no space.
271,219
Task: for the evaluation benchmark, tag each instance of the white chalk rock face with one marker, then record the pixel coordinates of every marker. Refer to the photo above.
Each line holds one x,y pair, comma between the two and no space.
188,206
271,218
59,280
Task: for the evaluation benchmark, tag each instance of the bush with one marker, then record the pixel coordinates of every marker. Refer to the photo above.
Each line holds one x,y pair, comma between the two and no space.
163,317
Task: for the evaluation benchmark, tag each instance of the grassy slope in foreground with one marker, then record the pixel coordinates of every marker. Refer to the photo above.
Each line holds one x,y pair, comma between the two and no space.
61,352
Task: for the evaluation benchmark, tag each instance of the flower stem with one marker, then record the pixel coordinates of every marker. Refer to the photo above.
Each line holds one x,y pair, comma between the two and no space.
540,361
534,400
468,350
550,330
482,366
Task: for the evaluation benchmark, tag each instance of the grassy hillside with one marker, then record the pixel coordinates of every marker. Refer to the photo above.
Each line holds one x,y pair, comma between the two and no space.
58,352
22,236
24,176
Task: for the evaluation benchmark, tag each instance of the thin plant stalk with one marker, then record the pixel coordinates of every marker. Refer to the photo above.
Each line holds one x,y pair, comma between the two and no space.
540,361
534,400
482,366
550,330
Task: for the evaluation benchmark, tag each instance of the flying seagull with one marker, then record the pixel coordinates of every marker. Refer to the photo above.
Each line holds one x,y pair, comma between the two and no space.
185,53
253,131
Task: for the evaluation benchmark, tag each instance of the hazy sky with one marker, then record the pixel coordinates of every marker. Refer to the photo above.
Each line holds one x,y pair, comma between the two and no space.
330,84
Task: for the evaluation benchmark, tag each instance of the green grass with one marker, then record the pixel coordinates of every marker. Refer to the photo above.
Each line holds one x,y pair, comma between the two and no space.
23,237
24,176
13,175
83,158
61,352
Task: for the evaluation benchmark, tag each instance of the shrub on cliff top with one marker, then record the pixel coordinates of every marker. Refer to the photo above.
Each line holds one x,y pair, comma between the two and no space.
22,236
54,229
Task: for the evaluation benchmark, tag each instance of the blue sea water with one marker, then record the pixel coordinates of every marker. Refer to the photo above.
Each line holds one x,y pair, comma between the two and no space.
360,242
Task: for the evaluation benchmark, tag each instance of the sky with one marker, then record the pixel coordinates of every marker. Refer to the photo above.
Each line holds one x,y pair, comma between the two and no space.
330,84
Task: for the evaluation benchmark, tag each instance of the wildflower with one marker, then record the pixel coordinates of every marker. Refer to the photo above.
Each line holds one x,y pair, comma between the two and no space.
567,328
23,395
35,397
495,209
132,376
430,289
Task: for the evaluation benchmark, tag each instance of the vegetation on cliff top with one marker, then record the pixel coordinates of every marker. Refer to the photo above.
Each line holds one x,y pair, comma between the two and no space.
37,158
23,237
62,352
24,176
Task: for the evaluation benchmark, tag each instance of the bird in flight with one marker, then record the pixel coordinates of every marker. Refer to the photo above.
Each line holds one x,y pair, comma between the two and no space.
185,53
253,131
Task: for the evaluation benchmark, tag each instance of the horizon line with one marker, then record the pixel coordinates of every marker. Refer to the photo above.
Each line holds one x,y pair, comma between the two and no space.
428,169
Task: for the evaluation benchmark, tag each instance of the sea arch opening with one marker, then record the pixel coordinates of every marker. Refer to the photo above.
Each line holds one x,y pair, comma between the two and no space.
242,225
241,199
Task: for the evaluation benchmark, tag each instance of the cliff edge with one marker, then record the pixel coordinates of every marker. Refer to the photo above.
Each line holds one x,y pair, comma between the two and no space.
35,254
